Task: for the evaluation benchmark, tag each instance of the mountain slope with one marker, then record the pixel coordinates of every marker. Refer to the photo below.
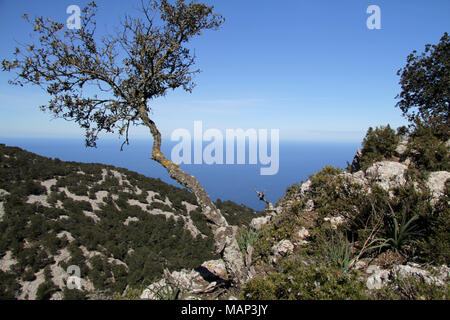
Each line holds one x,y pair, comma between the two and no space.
120,228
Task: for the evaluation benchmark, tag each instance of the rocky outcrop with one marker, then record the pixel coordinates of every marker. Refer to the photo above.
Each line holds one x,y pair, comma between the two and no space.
258,223
387,174
379,278
436,183
204,279
282,248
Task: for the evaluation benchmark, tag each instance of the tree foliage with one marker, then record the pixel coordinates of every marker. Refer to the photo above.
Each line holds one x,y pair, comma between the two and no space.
145,58
425,83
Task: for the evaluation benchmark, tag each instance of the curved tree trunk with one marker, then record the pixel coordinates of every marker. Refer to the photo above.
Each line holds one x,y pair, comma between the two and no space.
224,234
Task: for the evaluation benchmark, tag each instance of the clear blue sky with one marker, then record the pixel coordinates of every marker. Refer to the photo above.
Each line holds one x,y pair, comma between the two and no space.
309,68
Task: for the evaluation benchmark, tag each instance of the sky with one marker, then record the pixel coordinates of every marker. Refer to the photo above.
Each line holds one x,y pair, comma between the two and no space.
311,69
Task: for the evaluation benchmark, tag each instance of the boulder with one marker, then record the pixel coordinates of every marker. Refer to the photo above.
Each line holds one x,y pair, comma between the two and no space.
387,174
283,248
335,221
356,163
203,279
436,183
414,270
305,187
402,147
302,234
258,223
378,277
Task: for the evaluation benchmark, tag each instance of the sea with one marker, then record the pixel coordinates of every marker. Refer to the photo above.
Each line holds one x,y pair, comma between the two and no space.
236,182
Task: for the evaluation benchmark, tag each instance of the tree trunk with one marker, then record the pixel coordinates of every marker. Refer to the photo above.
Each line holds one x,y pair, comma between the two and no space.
224,234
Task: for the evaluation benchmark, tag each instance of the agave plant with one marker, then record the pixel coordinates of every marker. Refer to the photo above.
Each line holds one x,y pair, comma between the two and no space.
400,233
170,292
339,253
247,237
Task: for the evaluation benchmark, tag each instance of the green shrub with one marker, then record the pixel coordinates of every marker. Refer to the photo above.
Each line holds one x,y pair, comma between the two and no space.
339,252
428,150
247,237
435,247
299,280
378,145
46,290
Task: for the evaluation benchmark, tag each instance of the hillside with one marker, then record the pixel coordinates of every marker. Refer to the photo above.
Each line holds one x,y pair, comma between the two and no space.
120,228
379,229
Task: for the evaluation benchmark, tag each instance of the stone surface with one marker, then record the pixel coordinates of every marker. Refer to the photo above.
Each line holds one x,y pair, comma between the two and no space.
201,280
414,270
387,174
378,277
258,223
283,248
402,147
436,183
335,221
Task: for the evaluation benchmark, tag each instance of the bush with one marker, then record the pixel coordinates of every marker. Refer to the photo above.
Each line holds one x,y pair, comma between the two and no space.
428,150
378,145
300,280
46,290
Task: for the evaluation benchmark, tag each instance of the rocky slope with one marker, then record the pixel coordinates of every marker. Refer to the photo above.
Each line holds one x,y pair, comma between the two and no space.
383,227
121,229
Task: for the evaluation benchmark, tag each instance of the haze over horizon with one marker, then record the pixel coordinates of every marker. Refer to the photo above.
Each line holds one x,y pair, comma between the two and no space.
311,69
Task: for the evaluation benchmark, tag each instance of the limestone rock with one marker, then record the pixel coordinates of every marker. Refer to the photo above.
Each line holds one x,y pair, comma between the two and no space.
309,206
305,187
335,221
402,147
356,163
436,182
258,223
201,280
414,270
387,174
283,248
302,234
378,278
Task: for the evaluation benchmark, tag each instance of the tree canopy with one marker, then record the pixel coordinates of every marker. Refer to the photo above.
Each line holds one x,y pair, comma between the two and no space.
425,83
144,59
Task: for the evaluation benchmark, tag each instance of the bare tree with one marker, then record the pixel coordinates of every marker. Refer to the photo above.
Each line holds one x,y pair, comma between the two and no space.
145,58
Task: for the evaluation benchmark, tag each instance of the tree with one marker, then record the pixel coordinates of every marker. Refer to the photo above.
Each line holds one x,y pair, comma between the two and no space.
425,83
139,63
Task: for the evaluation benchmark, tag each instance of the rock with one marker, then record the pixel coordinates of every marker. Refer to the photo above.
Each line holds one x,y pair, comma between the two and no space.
356,163
309,206
216,268
378,279
387,174
335,221
7,261
305,187
303,233
414,270
258,223
402,147
283,248
201,280
436,183
360,265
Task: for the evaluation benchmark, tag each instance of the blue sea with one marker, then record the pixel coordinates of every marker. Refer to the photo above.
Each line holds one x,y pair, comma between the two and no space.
297,160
